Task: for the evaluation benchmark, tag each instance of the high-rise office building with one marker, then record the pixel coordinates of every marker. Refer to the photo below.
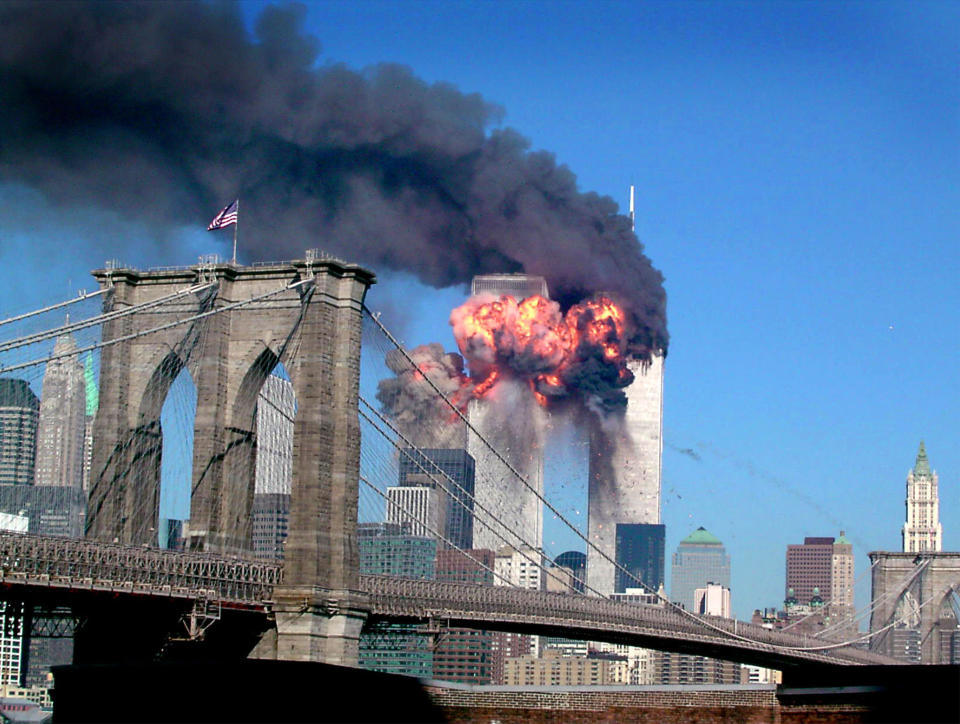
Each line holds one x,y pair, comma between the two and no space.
819,585
577,563
639,550
450,469
386,549
52,510
520,568
840,604
19,413
700,559
60,430
422,508
712,600
270,518
922,531
808,568
516,430
673,668
624,471
276,409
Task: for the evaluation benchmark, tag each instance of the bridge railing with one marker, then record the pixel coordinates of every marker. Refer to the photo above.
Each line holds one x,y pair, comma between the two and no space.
94,565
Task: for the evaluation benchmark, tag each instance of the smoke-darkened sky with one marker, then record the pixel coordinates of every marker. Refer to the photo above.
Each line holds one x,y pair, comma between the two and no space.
797,181
108,104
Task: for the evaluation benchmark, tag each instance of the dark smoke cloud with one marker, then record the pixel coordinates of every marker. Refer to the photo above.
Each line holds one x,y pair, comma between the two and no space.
165,111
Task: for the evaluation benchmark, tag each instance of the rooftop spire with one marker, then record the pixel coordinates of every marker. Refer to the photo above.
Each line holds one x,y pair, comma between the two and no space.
922,466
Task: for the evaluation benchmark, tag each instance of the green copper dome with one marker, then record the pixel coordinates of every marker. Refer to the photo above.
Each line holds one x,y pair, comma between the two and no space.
922,466
702,535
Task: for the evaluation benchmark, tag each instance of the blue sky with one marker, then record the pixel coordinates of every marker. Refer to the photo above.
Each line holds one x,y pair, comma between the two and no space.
797,184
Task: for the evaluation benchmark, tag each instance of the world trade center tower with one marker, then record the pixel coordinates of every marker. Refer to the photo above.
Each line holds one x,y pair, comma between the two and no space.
513,423
623,495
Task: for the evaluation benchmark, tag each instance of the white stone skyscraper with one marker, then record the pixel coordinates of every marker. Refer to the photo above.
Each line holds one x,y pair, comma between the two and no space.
512,421
276,409
624,472
423,508
60,431
922,530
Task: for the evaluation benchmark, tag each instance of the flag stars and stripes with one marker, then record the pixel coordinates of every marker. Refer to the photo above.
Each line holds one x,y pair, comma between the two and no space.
226,217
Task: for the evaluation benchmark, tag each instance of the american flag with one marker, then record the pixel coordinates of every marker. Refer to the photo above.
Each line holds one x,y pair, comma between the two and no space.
226,217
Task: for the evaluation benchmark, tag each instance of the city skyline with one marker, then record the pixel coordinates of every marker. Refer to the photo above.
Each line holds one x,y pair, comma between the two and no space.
794,176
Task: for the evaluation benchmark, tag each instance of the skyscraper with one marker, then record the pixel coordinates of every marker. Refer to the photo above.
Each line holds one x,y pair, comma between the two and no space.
464,655
19,412
820,577
639,550
699,559
60,431
624,471
576,562
809,566
516,430
922,530
276,408
386,549
422,509
454,470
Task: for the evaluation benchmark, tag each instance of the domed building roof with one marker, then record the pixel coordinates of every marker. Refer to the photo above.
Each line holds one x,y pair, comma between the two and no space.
703,536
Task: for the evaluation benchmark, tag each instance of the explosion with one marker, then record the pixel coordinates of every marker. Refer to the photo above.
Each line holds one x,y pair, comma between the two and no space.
582,352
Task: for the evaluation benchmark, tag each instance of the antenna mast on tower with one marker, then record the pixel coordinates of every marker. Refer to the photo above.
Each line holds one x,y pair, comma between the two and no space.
633,225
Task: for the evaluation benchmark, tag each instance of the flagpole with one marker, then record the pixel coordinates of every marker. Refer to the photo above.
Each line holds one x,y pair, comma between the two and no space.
235,225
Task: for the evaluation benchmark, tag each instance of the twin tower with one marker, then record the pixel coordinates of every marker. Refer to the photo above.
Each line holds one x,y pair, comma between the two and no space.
624,470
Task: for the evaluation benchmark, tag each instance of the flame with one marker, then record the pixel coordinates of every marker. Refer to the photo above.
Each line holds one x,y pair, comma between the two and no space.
534,341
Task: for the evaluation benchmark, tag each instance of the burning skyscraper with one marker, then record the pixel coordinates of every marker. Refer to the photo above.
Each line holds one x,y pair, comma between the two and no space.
624,477
509,419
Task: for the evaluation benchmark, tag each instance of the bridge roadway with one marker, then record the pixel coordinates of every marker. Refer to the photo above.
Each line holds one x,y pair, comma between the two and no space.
35,562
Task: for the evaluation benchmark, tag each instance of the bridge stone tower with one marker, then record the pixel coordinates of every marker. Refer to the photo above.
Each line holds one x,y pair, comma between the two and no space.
313,326
916,598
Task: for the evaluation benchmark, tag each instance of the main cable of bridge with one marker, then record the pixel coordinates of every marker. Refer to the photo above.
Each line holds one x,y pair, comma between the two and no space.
153,330
81,297
100,318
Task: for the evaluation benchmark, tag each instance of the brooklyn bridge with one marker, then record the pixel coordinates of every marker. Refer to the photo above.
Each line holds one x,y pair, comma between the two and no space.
229,326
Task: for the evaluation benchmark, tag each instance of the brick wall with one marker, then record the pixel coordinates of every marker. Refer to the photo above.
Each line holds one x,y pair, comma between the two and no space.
601,705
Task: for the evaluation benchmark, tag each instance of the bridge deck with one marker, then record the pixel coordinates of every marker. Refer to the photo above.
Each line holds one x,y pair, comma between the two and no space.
35,561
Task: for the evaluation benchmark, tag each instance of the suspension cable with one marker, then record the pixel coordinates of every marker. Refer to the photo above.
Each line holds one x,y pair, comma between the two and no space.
161,328
100,318
548,571
553,509
79,298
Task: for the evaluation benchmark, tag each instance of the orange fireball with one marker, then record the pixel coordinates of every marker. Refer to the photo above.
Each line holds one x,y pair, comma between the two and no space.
534,341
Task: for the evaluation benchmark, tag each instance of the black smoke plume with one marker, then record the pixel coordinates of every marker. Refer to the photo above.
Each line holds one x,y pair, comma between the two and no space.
165,111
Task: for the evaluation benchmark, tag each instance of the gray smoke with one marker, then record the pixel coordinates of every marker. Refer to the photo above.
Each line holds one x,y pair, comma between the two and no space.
166,111
412,403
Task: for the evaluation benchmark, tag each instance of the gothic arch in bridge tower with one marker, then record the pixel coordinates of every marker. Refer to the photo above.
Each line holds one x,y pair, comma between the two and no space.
134,381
